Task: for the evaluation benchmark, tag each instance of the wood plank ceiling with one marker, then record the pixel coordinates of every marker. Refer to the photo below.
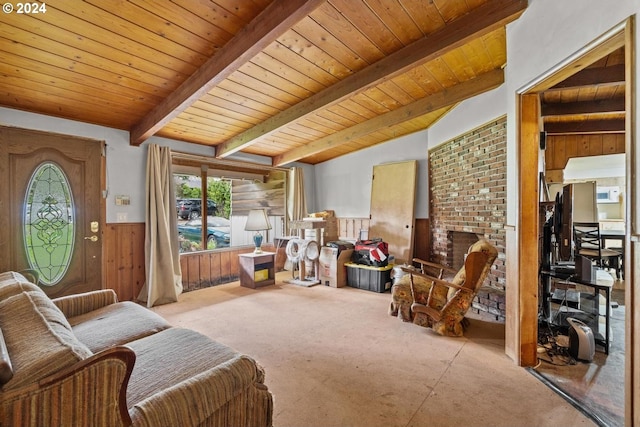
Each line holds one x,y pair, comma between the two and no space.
294,80
590,101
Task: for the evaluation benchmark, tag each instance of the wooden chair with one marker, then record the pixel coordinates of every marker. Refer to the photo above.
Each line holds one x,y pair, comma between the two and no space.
448,301
588,243
403,294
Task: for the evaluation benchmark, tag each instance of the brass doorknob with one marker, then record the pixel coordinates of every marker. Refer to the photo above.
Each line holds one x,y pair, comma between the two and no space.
93,238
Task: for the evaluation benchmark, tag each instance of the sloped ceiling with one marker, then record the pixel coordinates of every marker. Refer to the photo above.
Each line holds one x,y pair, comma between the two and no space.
293,80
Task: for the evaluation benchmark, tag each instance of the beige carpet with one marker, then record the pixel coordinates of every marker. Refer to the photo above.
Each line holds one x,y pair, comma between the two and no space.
333,357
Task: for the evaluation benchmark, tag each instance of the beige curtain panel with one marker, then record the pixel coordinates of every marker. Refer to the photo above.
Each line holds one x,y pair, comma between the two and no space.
296,201
164,278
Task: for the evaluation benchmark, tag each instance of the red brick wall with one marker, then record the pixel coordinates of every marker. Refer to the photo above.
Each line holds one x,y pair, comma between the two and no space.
467,178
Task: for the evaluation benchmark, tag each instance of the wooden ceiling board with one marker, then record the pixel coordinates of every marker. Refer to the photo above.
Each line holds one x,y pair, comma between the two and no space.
242,75
155,53
397,19
46,51
426,17
189,28
364,20
163,21
339,26
589,102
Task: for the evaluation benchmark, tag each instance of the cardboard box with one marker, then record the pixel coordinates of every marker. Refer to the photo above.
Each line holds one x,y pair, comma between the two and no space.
331,265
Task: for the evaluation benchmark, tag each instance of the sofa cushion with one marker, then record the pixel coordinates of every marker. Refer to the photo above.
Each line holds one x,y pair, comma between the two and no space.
182,377
12,283
6,371
39,339
116,324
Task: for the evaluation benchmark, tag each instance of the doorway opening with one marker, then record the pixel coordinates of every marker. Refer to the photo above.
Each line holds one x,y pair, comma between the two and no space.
535,130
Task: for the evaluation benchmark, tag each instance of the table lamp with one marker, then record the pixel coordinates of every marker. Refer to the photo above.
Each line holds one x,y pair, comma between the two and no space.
257,221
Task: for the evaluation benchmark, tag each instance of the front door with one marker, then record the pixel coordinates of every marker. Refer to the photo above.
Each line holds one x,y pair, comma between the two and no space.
51,208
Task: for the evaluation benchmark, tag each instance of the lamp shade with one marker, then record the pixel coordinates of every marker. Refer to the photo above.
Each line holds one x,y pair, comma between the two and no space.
257,220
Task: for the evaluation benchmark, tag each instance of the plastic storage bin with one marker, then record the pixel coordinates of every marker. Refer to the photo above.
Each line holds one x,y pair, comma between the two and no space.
376,279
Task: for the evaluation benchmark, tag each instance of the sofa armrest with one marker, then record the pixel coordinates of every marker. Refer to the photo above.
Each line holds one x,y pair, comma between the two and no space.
234,387
75,305
90,392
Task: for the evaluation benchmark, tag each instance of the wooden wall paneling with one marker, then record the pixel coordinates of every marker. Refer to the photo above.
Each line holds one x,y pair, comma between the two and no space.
560,154
205,269
608,143
123,259
225,266
184,268
349,228
125,265
422,239
215,268
561,148
595,145
570,149
137,235
620,144
193,263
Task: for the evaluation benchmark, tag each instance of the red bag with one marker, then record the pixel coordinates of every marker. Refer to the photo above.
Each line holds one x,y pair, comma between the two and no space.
372,252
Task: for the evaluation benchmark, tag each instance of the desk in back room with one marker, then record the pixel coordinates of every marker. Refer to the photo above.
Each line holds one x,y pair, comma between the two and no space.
602,283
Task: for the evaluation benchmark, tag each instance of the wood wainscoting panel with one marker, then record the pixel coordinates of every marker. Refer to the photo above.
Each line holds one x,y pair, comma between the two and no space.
422,239
123,255
124,262
210,268
349,228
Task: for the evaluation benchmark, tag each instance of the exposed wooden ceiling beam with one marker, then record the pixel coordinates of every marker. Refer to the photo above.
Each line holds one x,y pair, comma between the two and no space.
613,75
274,21
613,106
480,21
445,98
197,161
585,127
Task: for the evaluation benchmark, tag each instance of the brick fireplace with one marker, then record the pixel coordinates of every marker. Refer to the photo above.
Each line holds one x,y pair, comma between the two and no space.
467,178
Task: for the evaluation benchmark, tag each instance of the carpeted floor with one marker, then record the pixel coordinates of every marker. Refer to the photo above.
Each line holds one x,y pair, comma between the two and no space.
334,357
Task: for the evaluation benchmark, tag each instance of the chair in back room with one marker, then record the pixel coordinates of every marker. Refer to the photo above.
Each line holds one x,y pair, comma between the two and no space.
588,243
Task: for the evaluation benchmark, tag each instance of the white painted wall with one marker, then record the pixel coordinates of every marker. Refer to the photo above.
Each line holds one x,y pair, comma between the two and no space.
469,115
126,164
344,184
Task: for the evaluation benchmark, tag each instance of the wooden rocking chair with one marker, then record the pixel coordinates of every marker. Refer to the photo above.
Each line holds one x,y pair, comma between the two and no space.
448,302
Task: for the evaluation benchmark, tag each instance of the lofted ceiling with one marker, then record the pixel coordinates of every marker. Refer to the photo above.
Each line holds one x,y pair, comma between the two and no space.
591,101
294,80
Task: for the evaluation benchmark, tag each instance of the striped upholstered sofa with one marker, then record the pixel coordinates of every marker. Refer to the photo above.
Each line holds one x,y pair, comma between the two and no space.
88,360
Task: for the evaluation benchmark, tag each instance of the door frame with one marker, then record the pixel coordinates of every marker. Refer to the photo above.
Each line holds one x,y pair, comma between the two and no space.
4,199
525,309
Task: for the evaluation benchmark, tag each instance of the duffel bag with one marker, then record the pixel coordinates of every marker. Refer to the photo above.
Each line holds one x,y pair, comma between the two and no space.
373,252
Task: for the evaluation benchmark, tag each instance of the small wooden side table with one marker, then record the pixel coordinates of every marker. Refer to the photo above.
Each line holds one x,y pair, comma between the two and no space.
257,270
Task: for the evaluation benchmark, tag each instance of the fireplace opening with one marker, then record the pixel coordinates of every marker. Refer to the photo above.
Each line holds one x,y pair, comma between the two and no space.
458,243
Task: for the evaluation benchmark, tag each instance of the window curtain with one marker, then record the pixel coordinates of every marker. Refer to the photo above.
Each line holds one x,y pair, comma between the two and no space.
296,201
162,260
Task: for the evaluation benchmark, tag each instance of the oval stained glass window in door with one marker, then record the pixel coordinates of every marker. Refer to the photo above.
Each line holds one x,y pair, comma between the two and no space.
49,226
